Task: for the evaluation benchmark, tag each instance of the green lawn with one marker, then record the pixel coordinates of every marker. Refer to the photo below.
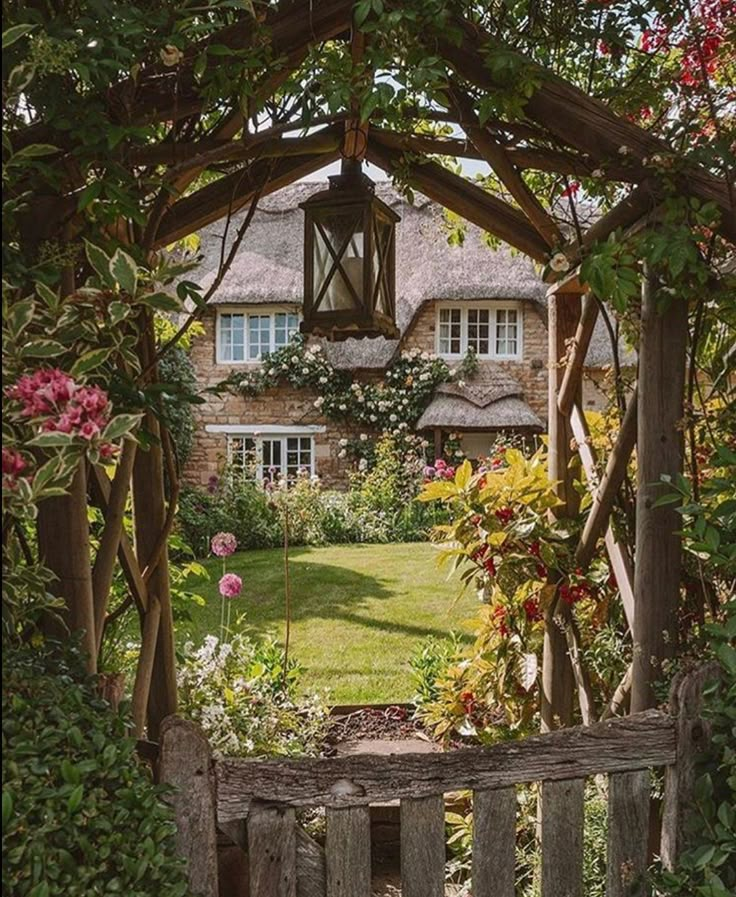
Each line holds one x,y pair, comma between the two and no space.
359,611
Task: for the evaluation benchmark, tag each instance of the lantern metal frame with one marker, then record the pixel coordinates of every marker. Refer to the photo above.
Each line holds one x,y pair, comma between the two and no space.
351,195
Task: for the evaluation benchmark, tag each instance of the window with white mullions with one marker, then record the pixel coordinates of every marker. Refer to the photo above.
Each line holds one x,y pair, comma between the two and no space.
244,337
269,457
490,331
450,331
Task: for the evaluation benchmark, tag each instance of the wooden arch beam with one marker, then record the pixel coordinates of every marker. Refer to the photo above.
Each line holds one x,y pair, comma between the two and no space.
466,199
232,192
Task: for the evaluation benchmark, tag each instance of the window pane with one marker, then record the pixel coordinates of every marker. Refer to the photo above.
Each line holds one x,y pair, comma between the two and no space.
450,331
507,332
478,330
231,338
298,455
241,453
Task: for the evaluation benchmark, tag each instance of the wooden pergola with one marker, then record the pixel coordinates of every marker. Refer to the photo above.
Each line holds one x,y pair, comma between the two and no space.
580,136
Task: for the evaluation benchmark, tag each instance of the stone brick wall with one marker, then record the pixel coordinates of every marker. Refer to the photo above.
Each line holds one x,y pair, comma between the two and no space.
282,405
531,371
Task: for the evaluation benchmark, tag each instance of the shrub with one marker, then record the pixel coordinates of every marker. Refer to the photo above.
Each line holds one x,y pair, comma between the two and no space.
238,693
80,814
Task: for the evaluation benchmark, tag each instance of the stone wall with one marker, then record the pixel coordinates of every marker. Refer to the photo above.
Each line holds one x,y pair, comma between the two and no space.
282,405
531,371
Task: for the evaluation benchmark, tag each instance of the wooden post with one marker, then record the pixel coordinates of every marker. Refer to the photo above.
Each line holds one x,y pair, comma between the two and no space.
186,765
557,674
693,737
272,852
662,360
63,540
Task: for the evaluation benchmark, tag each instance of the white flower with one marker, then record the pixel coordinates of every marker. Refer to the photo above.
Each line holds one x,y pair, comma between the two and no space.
461,383
343,442
559,262
374,418
323,379
319,402
342,453
393,418
295,359
272,372
363,464
170,55
597,173
314,478
364,437
343,407
305,370
624,150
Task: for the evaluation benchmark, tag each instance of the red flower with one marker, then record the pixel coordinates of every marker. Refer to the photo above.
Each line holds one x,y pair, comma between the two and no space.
532,610
571,189
467,699
490,566
536,549
480,552
499,618
505,515
542,571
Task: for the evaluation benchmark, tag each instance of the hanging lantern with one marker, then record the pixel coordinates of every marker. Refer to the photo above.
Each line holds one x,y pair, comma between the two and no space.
349,260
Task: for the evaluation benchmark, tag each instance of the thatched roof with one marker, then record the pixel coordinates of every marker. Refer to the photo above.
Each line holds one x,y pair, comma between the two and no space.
269,265
492,399
269,268
453,413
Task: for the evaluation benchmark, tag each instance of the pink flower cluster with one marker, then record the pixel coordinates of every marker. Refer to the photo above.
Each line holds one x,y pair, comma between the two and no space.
231,585
224,544
64,406
440,470
13,466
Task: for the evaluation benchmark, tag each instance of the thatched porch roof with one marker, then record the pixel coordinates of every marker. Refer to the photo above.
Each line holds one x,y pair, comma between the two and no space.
492,400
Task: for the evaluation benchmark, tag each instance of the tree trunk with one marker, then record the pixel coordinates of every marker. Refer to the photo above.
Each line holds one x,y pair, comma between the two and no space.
557,673
149,515
63,541
662,360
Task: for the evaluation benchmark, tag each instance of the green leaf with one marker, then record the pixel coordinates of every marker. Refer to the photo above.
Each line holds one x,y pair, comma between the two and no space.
11,35
89,194
89,361
20,316
99,260
43,348
161,301
75,799
125,271
118,311
463,474
49,296
34,151
51,440
7,808
120,425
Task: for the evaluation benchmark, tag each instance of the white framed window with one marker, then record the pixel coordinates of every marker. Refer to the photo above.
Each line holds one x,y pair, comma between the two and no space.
269,452
492,331
244,337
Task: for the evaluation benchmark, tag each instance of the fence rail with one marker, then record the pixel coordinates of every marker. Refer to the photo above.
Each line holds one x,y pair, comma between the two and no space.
255,803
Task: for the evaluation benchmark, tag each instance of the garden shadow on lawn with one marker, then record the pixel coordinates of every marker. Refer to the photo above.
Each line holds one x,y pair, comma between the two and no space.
358,612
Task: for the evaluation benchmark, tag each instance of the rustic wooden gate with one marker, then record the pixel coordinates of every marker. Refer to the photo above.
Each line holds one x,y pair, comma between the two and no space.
254,802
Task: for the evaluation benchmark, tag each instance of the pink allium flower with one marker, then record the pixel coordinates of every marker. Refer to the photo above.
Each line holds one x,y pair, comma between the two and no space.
230,585
440,463
224,544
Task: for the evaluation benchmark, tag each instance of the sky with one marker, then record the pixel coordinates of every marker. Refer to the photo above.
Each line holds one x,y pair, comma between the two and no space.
471,167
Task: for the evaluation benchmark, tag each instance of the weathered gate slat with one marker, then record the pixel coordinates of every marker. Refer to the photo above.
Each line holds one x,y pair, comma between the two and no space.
562,838
628,832
620,745
494,843
423,847
272,852
348,852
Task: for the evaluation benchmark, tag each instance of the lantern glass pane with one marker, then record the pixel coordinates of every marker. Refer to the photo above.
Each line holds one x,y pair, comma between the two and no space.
381,265
338,261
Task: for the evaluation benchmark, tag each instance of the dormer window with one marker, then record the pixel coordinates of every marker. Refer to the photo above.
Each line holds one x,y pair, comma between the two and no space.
491,331
244,337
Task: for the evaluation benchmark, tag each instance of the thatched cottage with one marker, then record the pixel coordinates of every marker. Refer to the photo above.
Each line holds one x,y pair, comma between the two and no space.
450,298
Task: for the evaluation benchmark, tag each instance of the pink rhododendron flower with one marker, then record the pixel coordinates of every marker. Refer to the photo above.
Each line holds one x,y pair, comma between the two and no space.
13,465
230,585
62,406
224,544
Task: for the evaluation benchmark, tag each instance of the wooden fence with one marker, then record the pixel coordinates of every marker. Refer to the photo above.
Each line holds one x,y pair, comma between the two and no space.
255,803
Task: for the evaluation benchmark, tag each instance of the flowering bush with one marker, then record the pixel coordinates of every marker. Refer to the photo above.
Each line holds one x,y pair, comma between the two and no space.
395,404
505,544
238,694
